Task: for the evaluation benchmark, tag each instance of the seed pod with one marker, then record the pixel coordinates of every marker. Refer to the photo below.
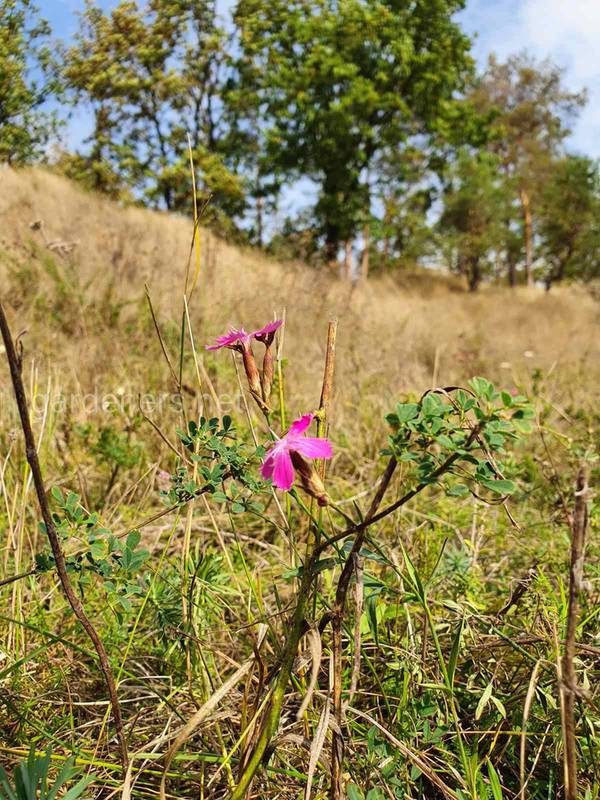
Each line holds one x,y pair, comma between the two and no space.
311,482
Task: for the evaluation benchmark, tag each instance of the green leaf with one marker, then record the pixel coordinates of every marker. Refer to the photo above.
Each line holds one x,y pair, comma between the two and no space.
354,793
495,785
458,490
133,540
57,495
406,411
483,700
415,580
499,705
482,387
501,486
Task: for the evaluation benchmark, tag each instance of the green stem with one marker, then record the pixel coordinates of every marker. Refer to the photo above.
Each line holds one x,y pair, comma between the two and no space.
271,721
450,689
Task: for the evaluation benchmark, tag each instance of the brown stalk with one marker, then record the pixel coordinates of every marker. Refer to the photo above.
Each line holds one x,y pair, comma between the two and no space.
337,621
569,677
337,615
14,362
327,388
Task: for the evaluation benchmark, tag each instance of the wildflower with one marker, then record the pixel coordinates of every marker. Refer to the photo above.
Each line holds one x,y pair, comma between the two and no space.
234,339
288,455
241,341
266,336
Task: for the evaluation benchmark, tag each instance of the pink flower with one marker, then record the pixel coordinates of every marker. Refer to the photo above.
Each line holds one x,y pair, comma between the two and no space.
266,333
241,340
237,340
289,453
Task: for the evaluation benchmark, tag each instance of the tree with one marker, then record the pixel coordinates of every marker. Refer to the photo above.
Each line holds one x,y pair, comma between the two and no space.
338,82
570,221
405,193
153,76
531,112
471,220
28,83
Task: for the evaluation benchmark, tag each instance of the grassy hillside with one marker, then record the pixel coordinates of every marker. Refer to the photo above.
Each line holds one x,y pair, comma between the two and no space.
73,272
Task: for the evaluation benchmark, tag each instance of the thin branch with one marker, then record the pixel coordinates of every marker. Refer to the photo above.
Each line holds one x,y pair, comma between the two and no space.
337,619
14,362
578,536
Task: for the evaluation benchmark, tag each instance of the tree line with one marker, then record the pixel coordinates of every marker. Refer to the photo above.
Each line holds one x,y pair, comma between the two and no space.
411,154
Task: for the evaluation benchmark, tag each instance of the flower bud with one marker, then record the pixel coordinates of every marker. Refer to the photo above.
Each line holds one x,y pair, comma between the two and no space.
311,482
268,372
252,372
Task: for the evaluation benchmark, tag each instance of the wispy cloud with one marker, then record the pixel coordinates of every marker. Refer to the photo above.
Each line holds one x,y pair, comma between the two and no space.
567,31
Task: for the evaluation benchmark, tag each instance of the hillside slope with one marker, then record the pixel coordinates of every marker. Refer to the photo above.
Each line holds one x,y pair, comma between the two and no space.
74,265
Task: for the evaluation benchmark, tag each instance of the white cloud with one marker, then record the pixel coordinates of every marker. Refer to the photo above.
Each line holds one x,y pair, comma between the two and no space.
567,31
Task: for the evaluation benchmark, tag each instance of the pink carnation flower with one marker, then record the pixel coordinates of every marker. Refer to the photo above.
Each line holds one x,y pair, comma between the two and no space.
279,462
241,339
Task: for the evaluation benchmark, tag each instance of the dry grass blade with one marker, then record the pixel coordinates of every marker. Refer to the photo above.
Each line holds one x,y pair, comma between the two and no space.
419,762
359,595
317,747
316,652
526,710
199,717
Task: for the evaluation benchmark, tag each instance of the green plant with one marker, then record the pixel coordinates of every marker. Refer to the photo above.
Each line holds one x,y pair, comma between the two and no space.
117,562
31,780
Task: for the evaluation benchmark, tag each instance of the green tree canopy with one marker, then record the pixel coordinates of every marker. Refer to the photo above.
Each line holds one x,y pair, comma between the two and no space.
569,227
338,82
474,208
152,75
531,112
28,81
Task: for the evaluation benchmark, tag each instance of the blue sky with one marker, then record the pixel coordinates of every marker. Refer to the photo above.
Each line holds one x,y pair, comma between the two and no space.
566,31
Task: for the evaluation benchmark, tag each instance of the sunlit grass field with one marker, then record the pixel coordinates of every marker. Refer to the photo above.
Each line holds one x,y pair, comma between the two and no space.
95,294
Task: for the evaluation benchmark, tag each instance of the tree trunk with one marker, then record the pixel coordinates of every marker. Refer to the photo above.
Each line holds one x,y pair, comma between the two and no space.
474,273
364,259
260,204
528,227
348,260
512,271
386,250
332,243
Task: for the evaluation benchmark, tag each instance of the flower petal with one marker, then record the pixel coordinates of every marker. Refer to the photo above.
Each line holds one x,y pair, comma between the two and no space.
298,426
313,447
270,327
231,337
283,473
268,465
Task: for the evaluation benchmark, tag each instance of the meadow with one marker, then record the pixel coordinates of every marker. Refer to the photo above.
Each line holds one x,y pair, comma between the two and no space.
276,644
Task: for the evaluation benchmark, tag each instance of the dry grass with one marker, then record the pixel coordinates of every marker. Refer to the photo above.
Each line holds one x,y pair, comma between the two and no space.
394,339
76,284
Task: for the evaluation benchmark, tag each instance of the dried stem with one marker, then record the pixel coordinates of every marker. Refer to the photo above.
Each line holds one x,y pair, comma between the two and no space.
337,621
327,389
569,678
14,362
